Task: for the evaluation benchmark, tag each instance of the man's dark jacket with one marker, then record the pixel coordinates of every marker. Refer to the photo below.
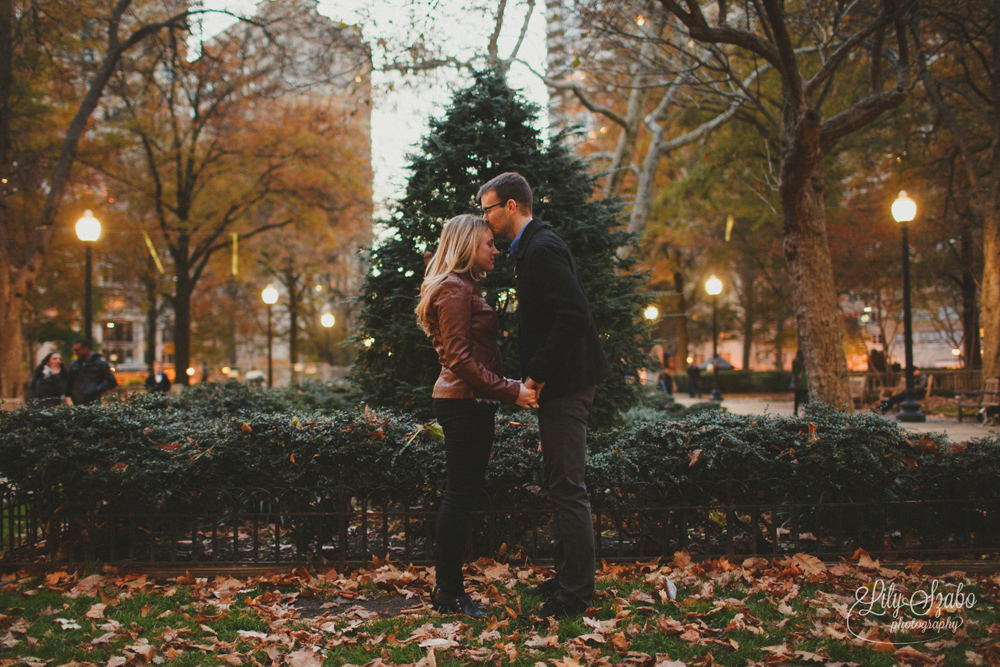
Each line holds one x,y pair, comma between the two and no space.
558,337
88,380
161,387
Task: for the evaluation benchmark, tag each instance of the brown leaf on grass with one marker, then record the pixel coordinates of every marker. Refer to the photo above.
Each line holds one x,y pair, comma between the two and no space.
96,611
619,642
681,559
87,586
670,626
143,651
839,570
492,570
536,641
246,427
59,579
810,565
103,639
693,456
305,658
865,561
566,662
806,656
875,643
117,661
690,635
973,658
910,654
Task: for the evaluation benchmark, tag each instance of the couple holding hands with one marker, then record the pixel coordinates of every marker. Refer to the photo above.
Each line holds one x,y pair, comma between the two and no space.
561,363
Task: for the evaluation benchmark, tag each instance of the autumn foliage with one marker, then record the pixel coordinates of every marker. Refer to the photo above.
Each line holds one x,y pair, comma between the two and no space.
673,612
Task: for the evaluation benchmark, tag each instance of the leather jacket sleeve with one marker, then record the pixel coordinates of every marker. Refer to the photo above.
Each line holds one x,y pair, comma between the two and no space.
454,307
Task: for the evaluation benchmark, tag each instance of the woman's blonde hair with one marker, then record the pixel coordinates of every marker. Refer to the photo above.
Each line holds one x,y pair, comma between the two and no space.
456,254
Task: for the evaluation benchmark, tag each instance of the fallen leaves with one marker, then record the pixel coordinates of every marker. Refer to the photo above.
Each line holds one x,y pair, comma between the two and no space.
796,608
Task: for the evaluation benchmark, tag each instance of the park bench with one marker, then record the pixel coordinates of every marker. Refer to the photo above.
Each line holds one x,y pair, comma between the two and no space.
988,397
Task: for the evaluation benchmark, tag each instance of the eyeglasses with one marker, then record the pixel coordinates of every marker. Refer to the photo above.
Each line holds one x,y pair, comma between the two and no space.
486,209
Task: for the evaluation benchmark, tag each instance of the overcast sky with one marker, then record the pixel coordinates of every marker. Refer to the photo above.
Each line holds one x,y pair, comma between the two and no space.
403,105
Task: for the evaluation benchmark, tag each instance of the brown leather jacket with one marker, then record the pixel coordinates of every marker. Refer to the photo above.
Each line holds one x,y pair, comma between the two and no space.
464,331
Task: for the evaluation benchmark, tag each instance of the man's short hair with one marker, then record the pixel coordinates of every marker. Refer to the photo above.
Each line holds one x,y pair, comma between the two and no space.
86,342
509,185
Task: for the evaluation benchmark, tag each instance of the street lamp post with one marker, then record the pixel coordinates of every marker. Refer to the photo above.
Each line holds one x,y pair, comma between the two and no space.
270,297
88,230
714,287
904,210
328,320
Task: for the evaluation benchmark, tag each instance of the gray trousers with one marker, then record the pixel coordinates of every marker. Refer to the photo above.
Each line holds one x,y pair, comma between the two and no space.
562,423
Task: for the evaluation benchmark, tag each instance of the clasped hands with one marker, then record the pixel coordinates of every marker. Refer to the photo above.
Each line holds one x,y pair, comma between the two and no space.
527,397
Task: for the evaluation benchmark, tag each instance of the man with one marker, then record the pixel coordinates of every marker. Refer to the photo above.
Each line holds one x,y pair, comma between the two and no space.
919,393
89,374
158,382
561,357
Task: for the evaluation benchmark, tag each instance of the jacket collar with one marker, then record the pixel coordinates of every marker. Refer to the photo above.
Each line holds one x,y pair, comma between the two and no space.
526,234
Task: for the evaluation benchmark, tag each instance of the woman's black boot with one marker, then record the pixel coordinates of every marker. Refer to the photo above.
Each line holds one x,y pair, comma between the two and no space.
462,604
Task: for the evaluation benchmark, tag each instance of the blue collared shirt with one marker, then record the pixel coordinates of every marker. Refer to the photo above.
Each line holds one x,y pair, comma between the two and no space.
516,242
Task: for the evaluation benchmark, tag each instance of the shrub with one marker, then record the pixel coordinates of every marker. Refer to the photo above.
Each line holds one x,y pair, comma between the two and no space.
232,436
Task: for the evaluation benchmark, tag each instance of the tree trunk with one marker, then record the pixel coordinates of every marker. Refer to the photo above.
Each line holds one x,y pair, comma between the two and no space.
682,334
991,280
748,315
294,297
12,373
182,327
970,304
991,223
151,324
807,253
779,345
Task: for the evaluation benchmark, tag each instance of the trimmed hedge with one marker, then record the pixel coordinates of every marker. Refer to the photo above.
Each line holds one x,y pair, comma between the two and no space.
220,436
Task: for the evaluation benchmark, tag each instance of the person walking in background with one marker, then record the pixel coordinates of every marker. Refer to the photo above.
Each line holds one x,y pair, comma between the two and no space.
694,380
799,382
49,381
157,382
561,357
464,330
666,379
90,375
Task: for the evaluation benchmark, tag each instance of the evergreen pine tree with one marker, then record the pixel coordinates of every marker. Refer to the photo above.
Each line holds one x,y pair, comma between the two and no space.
486,131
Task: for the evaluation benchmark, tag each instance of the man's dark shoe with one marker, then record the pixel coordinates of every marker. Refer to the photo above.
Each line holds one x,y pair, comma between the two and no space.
557,609
547,589
462,604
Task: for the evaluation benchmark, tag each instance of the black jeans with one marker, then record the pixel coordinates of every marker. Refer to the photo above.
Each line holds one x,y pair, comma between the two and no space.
468,439
562,424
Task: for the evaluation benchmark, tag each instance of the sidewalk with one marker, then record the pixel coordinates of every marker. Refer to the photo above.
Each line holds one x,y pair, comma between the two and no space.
744,404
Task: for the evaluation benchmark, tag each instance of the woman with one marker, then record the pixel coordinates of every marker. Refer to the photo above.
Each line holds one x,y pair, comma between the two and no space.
463,329
49,381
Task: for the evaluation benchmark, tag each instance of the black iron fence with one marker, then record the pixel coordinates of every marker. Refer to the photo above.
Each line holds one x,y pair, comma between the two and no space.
915,517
